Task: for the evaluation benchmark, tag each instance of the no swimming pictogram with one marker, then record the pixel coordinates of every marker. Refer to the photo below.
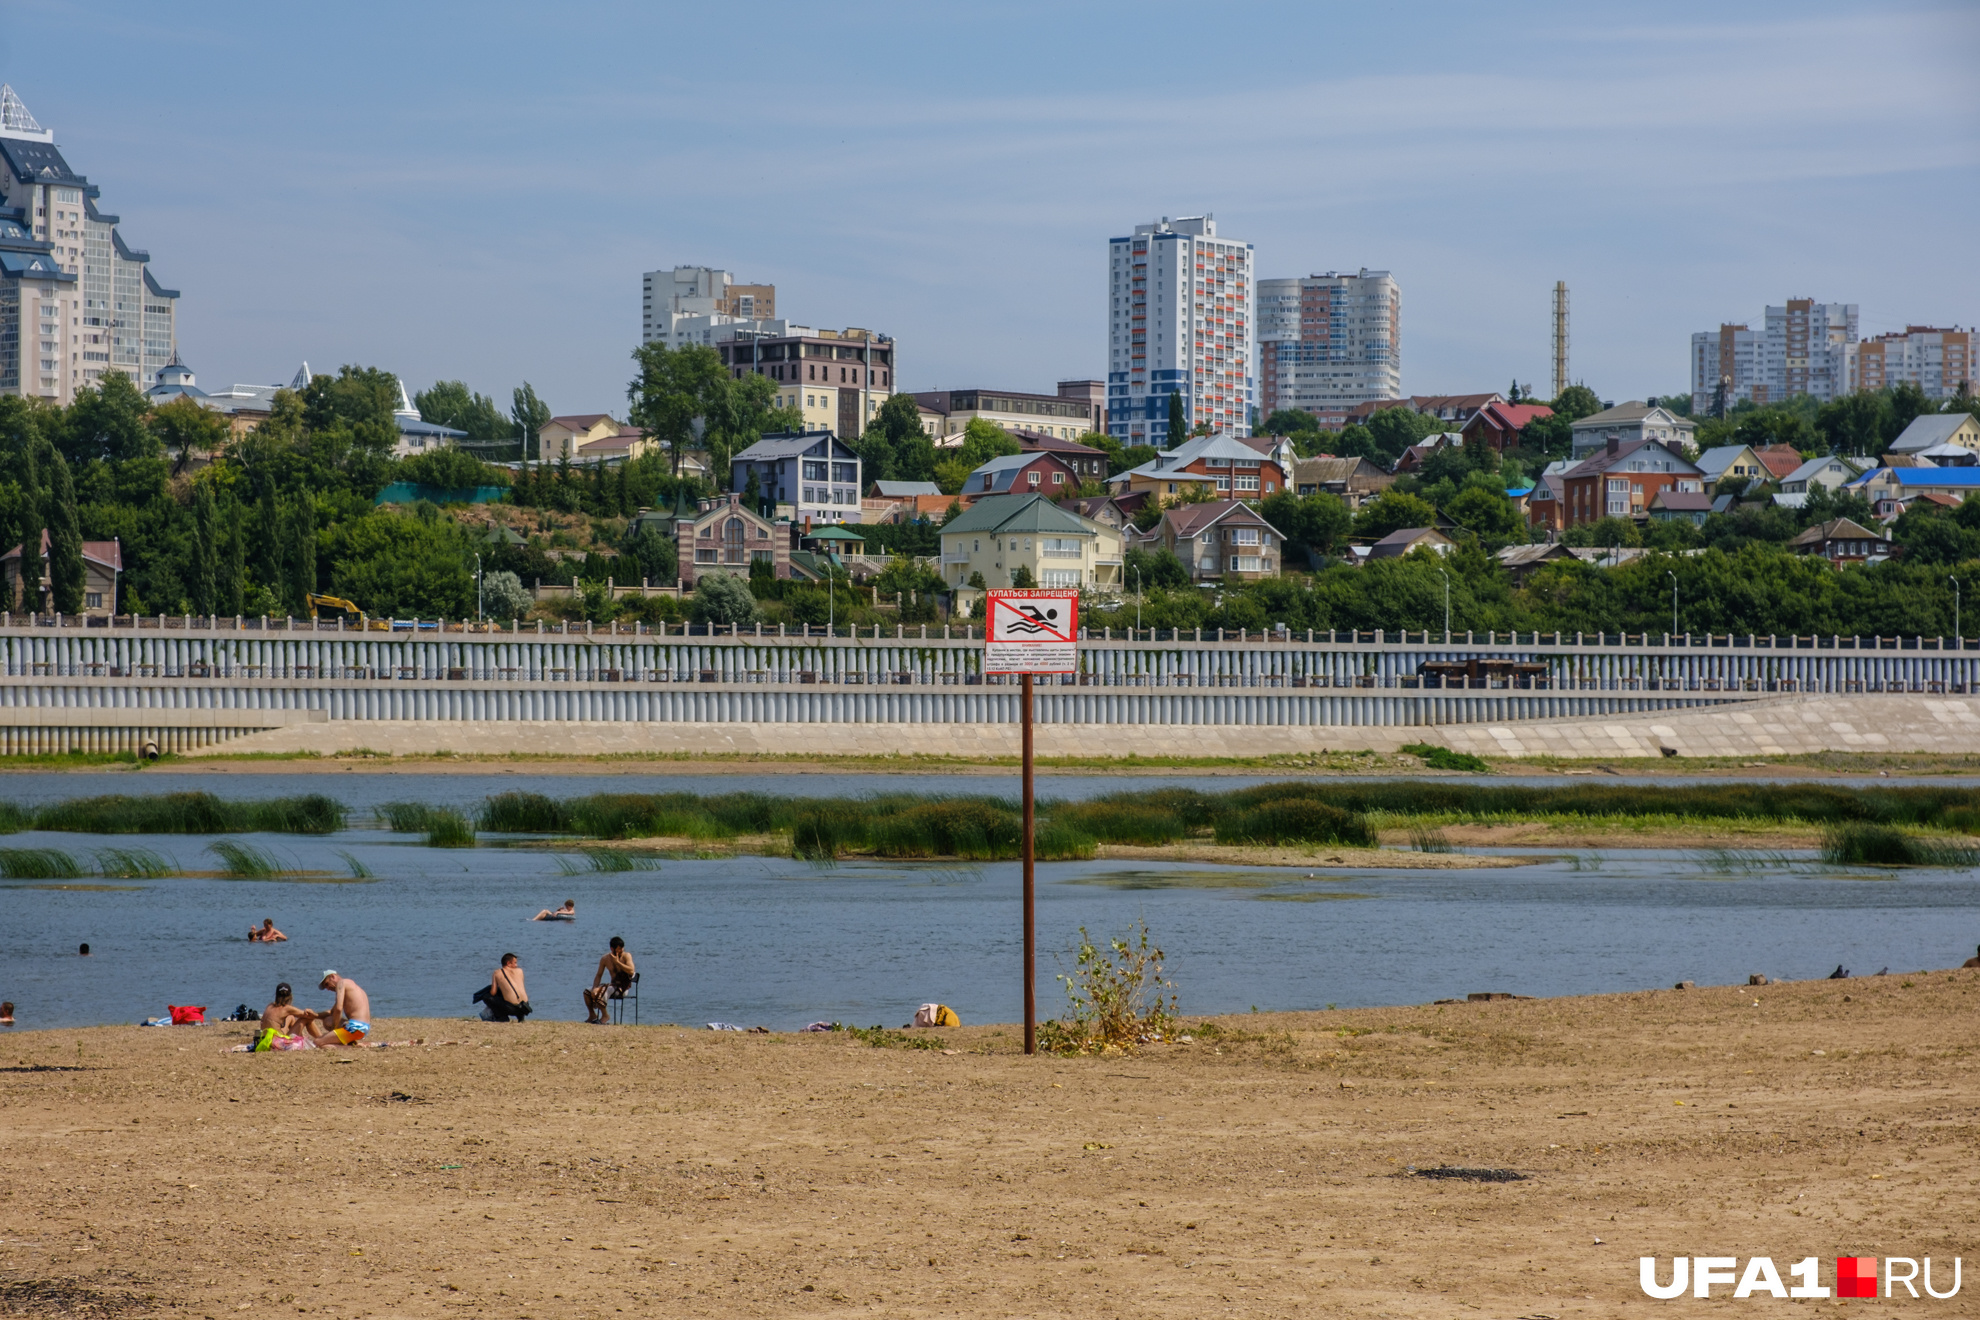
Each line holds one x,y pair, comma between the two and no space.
1031,632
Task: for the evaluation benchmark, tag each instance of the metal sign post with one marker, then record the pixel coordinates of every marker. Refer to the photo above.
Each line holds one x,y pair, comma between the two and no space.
1026,633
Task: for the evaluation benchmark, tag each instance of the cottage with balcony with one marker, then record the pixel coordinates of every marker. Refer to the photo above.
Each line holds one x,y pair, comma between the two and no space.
1219,540
998,535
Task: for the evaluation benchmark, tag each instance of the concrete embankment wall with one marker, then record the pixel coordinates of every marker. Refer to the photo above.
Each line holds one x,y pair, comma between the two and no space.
1773,727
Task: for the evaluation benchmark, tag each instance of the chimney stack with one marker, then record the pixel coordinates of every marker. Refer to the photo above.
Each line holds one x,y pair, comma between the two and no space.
1615,443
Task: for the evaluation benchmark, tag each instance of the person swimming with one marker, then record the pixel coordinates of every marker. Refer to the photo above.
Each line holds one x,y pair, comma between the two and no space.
7,1013
568,912
265,933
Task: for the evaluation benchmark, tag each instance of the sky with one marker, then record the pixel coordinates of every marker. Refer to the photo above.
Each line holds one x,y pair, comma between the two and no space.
455,191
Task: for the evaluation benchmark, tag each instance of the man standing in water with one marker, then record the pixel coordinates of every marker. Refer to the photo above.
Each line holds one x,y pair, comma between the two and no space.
349,1020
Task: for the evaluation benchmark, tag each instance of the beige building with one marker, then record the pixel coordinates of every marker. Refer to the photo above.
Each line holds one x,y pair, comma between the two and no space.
998,535
1072,412
837,379
591,438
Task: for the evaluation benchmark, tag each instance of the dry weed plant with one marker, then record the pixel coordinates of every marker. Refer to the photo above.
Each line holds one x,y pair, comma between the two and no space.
1115,998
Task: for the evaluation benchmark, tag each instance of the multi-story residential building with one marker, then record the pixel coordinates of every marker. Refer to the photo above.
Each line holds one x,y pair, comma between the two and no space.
1069,414
688,304
1329,341
76,301
837,379
1629,422
1180,322
1219,539
1226,464
1621,480
999,535
1937,361
812,471
1805,348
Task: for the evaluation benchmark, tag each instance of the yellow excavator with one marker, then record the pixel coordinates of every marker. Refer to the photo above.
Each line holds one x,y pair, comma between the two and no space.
317,602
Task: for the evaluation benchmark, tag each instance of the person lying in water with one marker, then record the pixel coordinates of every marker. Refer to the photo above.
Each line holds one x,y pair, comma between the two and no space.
283,1014
349,1020
568,912
265,933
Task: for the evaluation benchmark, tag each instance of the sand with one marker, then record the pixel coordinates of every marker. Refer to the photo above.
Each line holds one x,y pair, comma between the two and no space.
564,1170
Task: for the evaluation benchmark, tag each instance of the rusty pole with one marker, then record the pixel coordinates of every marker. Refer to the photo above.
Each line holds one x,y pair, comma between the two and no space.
1030,870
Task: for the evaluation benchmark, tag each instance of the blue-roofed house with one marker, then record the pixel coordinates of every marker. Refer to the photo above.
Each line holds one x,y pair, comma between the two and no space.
1890,489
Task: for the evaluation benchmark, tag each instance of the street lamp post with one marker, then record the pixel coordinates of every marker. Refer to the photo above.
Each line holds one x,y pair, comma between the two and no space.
1674,600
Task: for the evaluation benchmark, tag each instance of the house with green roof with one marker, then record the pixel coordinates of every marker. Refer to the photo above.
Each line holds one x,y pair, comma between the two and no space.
999,534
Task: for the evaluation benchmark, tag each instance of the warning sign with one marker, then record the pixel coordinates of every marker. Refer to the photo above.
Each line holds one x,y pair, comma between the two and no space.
1031,632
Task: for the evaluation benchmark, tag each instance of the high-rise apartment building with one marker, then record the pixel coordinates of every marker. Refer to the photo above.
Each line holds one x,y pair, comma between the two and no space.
1805,347
1180,322
76,302
1327,342
1936,361
686,305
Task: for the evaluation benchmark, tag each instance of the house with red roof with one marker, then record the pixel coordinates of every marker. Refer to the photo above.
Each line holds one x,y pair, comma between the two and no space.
1498,424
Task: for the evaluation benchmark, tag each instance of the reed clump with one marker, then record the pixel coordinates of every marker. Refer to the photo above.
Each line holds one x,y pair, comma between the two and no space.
14,819
1295,820
131,864
39,864
524,813
606,860
406,817
192,813
1881,845
244,861
447,828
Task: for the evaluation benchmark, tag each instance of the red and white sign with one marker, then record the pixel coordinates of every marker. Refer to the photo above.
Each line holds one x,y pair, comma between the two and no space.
1031,632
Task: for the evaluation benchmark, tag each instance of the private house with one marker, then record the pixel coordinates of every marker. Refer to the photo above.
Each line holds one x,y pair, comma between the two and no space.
814,472
1399,543
1622,480
1086,462
1842,541
1631,423
1414,457
1929,430
563,437
103,561
1354,480
1779,460
244,406
1544,508
1000,534
900,490
1498,424
1829,473
724,535
1692,506
1890,489
1100,508
1522,561
1946,455
1231,468
1219,540
1036,473
1731,463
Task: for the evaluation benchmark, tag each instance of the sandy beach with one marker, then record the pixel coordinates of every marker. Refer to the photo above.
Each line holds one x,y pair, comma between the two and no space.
563,1170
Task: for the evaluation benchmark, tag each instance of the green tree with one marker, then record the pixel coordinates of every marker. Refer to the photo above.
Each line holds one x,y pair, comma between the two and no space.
185,429
1021,577
746,410
1491,516
448,468
894,447
107,421
676,394
984,440
655,554
232,584
452,403
299,555
1178,425
1318,523
32,522
529,415
1392,511
1576,402
723,598
1158,568
1291,421
206,551
65,559
395,565
1395,429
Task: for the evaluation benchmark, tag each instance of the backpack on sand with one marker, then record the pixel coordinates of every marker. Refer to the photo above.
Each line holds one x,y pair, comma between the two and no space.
936,1015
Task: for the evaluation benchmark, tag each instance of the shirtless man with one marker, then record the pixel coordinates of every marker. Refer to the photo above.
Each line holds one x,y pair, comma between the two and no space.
265,933
284,1016
618,965
508,993
349,1020
568,912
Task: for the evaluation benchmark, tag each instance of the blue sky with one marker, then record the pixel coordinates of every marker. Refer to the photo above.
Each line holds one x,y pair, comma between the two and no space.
472,191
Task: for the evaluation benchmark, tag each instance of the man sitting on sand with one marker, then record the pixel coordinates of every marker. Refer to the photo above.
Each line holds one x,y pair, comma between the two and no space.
284,1016
508,993
617,964
568,912
265,933
1972,962
349,1020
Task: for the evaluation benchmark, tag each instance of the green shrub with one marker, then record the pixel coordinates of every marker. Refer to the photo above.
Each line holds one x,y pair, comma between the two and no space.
1295,820
822,833
1115,998
1114,820
972,828
192,813
1443,758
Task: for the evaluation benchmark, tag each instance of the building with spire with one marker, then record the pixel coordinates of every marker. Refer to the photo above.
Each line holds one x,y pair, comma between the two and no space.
76,301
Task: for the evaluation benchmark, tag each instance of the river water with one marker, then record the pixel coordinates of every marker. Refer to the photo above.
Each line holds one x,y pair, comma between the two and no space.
779,943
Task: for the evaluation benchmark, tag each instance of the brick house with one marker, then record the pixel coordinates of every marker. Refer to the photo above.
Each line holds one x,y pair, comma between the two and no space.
724,535
1231,468
1622,480
1498,424
1037,473
1220,539
102,562
1089,463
